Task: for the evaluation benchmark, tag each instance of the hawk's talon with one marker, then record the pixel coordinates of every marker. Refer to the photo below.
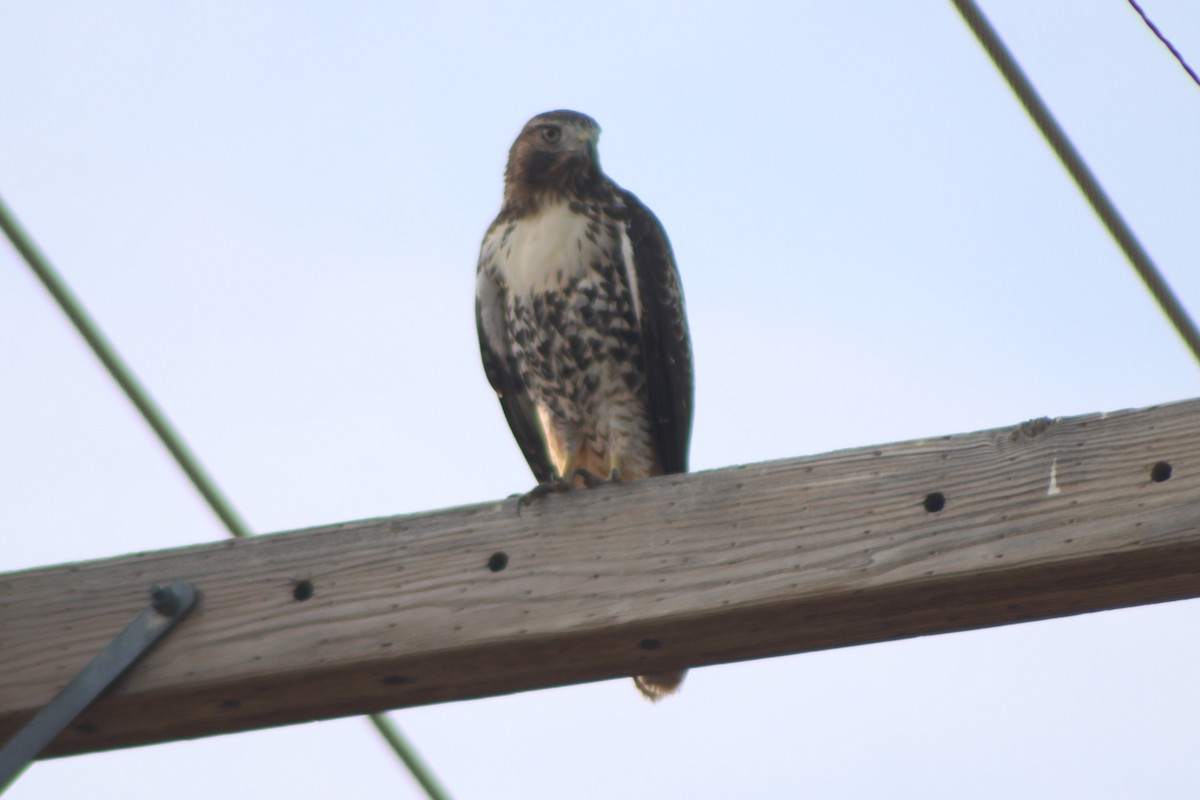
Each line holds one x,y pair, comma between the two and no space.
590,479
541,490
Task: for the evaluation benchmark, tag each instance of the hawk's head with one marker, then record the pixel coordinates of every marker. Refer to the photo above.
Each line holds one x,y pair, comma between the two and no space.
555,155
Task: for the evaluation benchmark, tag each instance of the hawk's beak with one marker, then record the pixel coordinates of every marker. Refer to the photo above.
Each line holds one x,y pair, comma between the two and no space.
586,141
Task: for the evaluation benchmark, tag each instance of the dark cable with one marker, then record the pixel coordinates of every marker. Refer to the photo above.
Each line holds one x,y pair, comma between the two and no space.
1083,176
1163,39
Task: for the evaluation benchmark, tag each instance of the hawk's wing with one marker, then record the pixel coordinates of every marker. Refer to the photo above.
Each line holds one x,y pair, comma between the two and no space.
665,340
495,345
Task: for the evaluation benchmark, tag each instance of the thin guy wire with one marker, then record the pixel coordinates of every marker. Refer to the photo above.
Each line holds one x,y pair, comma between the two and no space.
121,373
1163,39
1083,176
187,461
419,769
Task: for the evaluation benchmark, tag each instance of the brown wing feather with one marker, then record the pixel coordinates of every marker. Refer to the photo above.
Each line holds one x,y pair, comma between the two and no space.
665,340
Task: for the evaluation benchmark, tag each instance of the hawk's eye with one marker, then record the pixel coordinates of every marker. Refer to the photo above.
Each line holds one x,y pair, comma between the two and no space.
551,134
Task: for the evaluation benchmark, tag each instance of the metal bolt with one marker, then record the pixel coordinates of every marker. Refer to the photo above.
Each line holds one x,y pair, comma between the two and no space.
164,600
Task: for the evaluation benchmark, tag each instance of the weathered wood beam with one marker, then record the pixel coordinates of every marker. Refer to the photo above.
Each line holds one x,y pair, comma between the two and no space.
866,545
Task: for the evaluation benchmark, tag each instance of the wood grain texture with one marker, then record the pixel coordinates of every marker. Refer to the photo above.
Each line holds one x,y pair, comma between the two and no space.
1044,519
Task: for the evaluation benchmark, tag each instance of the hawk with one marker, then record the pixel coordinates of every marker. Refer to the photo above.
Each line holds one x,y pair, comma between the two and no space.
581,321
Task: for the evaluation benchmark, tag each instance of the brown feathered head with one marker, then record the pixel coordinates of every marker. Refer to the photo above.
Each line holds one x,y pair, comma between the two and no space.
554,156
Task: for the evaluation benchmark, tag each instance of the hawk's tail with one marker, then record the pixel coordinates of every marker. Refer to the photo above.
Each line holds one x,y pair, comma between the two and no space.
659,685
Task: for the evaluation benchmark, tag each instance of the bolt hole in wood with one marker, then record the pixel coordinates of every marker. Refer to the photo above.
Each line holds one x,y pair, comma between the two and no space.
649,644
1160,472
302,590
497,562
935,501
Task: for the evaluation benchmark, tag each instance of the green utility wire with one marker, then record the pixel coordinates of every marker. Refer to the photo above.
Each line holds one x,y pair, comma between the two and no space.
420,771
120,373
1083,176
174,443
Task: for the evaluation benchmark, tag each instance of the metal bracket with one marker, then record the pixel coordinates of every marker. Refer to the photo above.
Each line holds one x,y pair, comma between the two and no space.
168,605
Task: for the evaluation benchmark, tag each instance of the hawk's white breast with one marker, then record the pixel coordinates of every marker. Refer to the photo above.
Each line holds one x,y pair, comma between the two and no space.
542,251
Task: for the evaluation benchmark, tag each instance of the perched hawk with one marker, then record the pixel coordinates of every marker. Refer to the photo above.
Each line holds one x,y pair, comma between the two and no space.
581,321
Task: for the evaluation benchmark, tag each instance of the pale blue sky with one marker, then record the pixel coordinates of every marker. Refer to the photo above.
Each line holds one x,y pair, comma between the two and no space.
274,210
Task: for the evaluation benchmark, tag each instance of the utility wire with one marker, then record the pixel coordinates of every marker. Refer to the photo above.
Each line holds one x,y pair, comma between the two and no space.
1164,40
121,373
419,769
183,455
1083,176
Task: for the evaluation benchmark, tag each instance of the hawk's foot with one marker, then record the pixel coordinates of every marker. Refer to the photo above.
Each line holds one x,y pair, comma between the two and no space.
541,490
590,479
